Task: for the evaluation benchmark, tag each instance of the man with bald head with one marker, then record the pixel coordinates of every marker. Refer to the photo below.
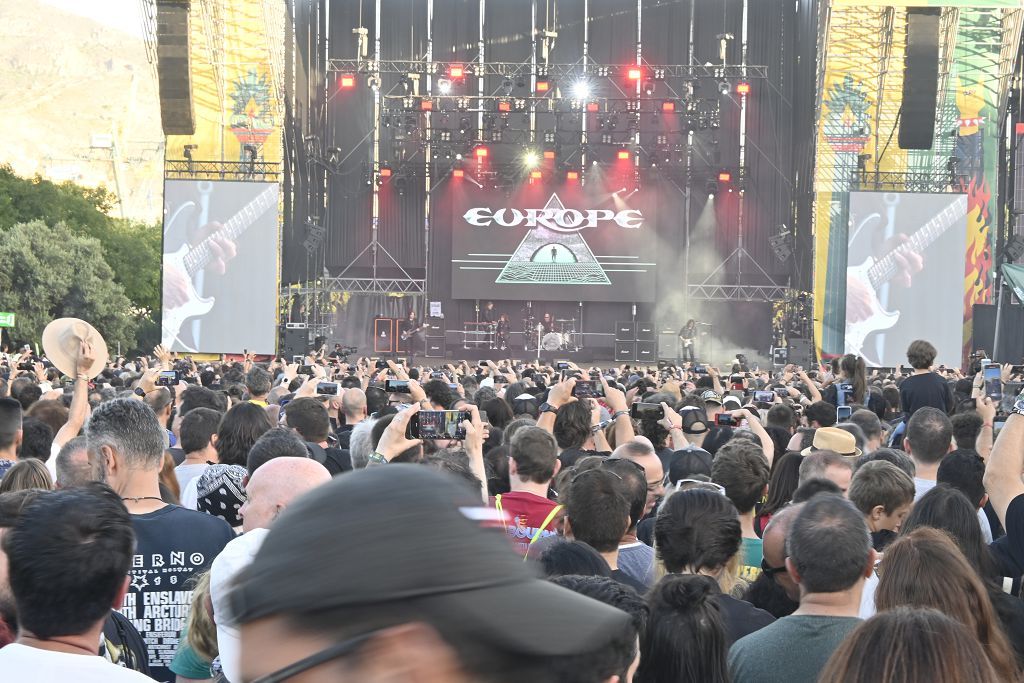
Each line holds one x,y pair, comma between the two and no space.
353,407
642,453
271,488
774,549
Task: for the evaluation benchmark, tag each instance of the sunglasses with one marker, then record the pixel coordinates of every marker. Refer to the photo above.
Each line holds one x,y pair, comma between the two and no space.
336,651
770,571
698,484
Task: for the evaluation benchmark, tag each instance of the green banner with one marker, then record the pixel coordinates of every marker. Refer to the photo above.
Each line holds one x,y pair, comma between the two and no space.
6,320
1014,275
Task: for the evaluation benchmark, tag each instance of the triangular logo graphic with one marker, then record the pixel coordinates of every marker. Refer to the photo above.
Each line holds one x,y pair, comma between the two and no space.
547,257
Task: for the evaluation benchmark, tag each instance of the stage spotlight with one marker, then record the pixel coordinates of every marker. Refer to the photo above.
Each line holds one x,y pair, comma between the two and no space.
572,175
458,173
668,106
724,177
635,73
385,171
723,87
346,81
743,88
623,154
426,105
593,107
648,88
480,152
530,159
581,90
542,84
456,71
444,86
536,175
549,154
504,106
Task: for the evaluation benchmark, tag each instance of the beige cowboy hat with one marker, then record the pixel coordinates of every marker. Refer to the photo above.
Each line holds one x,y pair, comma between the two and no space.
834,439
61,342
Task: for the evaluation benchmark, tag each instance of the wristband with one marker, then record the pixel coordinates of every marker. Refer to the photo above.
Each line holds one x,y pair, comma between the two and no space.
619,413
377,458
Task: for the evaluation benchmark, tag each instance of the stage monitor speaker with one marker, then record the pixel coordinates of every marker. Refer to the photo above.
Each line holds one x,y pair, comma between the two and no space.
625,330
920,78
174,69
294,343
645,332
668,345
646,351
625,351
801,352
436,347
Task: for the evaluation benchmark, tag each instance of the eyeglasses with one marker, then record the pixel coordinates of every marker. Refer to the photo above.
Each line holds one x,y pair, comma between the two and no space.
336,651
591,471
698,484
770,571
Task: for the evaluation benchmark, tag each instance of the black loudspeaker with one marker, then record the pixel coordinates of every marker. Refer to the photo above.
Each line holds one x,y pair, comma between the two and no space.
801,352
625,330
920,78
668,344
435,347
1011,331
625,351
645,332
174,69
294,343
646,351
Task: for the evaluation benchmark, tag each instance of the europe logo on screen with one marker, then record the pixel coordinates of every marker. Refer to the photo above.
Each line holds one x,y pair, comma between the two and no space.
557,249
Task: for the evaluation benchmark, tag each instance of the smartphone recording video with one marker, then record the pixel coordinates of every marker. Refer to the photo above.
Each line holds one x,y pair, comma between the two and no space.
588,388
328,389
993,382
652,411
396,386
764,396
843,413
438,424
725,420
168,378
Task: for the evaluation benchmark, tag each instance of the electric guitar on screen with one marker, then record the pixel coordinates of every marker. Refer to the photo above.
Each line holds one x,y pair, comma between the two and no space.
191,260
872,274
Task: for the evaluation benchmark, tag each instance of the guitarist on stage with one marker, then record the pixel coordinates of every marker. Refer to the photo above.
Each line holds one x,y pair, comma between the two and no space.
412,333
687,338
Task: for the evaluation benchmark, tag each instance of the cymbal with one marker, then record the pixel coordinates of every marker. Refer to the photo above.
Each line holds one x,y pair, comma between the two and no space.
565,320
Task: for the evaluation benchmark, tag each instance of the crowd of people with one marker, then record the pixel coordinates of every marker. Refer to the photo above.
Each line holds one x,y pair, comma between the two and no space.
169,519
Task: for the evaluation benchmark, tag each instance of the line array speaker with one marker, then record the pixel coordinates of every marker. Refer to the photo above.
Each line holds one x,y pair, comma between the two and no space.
920,78
177,112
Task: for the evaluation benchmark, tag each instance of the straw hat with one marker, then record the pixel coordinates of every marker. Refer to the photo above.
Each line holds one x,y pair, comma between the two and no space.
61,342
834,439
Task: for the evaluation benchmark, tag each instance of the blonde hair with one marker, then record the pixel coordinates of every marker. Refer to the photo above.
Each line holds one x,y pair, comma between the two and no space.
29,473
202,631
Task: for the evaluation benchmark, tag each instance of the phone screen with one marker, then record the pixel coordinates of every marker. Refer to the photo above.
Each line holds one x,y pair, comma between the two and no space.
764,396
639,411
843,413
168,378
993,382
327,388
399,386
588,388
438,424
725,420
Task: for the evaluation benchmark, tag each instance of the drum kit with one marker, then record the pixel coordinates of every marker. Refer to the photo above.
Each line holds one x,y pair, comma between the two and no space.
563,338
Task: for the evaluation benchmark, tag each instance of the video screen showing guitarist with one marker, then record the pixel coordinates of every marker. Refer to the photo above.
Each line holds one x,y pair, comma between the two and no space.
687,339
904,277
219,266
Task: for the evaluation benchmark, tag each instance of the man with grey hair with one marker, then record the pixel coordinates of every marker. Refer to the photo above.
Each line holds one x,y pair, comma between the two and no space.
258,383
361,443
75,467
353,407
173,543
827,465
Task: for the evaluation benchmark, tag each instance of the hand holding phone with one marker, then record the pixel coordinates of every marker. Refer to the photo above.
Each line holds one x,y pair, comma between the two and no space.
396,386
992,376
640,411
438,424
726,420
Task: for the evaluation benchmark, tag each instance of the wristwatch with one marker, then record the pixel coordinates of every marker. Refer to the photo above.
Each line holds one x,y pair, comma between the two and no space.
1018,404
139,391
547,408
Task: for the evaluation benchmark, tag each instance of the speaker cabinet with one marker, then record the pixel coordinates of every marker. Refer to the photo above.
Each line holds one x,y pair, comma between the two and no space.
436,347
174,72
920,78
646,351
668,344
625,351
625,330
294,342
645,332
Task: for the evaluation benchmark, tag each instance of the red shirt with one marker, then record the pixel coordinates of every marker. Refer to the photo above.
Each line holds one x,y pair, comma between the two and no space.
524,513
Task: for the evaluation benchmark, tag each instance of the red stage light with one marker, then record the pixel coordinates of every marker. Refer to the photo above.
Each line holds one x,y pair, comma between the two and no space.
456,71
385,172
635,73
572,175
593,107
668,106
536,175
504,106
623,154
458,173
724,177
347,81
480,152
549,154
426,105
543,85
743,88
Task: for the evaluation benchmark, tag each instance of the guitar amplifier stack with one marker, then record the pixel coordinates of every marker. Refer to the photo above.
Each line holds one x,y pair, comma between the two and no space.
635,341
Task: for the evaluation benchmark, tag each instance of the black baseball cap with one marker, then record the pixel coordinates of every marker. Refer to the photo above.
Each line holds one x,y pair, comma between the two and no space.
407,535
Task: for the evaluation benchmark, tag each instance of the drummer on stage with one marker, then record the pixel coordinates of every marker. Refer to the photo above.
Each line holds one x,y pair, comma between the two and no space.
547,324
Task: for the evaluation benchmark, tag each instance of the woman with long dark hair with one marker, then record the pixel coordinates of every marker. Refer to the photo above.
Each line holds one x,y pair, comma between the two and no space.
685,638
238,431
784,480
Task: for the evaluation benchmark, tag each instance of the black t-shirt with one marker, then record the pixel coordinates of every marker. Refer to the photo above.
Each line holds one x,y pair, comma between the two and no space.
1010,611
1008,550
923,391
335,460
627,580
740,618
344,434
172,544
716,438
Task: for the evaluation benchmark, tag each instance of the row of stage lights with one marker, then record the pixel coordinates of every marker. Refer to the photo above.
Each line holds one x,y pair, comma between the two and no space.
580,90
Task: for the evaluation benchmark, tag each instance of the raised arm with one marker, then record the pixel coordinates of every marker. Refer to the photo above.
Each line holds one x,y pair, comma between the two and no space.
1005,464
79,411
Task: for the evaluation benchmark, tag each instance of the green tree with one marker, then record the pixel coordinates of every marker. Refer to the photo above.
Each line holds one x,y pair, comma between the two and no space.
50,272
131,249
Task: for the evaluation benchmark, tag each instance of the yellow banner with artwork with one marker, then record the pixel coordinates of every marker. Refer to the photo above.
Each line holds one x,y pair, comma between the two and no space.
237,55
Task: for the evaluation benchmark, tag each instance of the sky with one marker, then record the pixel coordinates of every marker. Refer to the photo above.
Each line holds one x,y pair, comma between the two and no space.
124,15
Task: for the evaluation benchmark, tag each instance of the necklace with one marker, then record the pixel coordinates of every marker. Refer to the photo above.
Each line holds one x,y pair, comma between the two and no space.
137,499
